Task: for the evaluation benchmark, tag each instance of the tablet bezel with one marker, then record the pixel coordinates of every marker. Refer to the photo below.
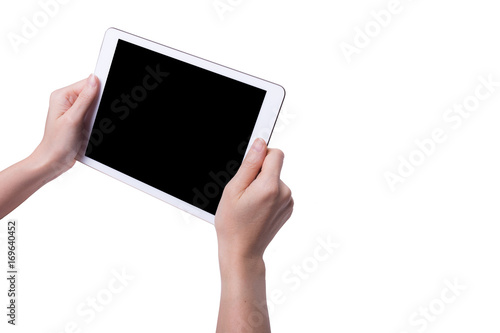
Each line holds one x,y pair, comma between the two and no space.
264,126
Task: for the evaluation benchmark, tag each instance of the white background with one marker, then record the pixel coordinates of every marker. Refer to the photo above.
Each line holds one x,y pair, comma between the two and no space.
343,126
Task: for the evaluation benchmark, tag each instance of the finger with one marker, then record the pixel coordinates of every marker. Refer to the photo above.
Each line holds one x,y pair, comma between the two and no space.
87,91
69,93
62,100
271,168
251,165
77,87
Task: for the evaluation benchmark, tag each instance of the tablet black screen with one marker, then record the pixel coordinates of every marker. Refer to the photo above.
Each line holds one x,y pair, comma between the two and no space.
177,127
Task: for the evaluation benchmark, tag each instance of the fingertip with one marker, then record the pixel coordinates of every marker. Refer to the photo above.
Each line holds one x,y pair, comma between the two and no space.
92,81
88,93
252,164
257,153
258,145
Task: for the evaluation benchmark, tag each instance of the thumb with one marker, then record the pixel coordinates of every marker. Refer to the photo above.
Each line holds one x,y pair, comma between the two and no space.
251,165
85,98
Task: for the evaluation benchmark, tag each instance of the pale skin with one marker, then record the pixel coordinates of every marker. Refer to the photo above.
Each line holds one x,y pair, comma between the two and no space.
254,205
56,153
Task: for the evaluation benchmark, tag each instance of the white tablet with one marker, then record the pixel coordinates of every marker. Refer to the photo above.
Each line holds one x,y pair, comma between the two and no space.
174,125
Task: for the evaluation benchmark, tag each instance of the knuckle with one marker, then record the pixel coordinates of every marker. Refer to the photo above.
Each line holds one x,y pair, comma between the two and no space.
230,189
287,192
84,96
250,164
278,153
271,190
54,96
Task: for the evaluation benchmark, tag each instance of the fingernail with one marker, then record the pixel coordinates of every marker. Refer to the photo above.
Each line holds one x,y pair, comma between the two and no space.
258,145
92,81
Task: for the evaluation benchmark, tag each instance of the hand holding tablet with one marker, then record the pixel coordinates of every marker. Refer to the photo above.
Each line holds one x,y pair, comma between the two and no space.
156,102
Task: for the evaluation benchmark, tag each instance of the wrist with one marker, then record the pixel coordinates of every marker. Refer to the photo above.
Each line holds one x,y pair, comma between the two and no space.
238,267
42,167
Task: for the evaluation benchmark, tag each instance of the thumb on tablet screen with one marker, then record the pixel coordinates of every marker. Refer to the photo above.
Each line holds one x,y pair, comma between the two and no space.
251,165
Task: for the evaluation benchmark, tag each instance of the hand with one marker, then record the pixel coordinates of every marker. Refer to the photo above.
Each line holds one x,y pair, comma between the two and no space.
254,206
62,141
63,137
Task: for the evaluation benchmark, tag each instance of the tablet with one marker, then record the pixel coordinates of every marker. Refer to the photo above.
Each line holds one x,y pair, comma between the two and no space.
174,125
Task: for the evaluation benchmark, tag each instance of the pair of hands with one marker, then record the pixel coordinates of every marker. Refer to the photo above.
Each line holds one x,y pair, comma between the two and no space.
254,206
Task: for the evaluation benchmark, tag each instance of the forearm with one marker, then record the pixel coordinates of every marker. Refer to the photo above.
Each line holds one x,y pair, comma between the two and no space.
21,180
243,306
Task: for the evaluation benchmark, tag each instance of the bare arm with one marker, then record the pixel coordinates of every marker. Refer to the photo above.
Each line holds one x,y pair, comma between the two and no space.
20,181
254,206
56,153
243,305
